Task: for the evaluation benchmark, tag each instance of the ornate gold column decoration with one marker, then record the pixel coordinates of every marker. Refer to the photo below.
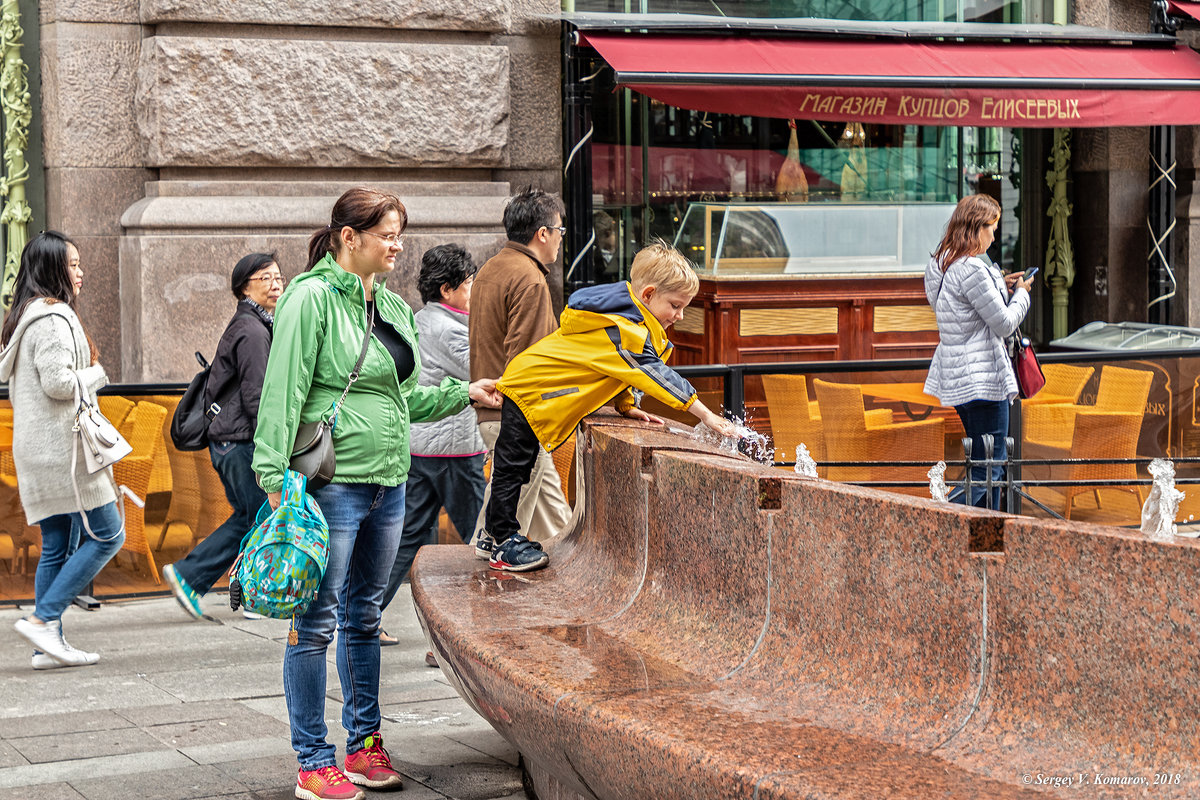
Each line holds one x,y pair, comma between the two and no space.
1060,256
18,113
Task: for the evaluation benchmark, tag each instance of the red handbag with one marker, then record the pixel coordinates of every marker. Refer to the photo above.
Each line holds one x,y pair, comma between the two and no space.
1030,379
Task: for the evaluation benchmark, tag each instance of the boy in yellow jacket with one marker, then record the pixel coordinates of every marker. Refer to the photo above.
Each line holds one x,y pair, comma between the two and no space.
613,337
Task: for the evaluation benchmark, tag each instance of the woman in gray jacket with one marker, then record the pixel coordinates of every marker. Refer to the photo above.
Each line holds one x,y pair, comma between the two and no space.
48,359
447,455
977,309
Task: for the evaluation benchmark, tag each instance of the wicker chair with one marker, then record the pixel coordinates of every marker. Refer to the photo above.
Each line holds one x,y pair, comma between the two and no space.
1104,434
215,508
1044,415
181,526
115,408
794,418
1123,390
143,429
1053,431
850,436
797,420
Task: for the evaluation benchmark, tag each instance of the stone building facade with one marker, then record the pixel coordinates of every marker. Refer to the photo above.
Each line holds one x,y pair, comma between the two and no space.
181,134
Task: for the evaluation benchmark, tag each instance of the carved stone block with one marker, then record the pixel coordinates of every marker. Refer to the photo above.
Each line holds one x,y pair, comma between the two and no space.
221,102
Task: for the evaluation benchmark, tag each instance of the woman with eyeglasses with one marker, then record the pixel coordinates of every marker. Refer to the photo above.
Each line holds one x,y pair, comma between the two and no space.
324,317
234,385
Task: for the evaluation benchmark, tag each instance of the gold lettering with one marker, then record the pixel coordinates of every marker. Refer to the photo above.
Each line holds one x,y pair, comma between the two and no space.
826,104
809,98
1020,106
985,111
1074,108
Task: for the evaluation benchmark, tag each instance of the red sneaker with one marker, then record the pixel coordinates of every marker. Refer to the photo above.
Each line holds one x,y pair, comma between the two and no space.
326,783
371,765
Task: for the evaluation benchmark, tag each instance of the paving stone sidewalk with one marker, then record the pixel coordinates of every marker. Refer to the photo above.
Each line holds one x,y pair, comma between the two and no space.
183,710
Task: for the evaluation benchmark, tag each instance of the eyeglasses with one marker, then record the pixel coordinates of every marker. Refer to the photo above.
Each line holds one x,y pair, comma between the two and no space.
562,229
391,240
282,281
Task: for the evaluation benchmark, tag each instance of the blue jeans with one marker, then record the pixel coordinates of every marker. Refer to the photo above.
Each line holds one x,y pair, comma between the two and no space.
455,482
980,417
212,558
365,521
71,559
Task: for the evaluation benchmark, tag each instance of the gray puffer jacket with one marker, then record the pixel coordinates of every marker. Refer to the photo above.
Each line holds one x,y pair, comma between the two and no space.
445,352
974,317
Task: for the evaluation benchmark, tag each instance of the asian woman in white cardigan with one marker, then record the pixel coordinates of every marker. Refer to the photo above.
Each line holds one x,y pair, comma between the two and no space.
47,360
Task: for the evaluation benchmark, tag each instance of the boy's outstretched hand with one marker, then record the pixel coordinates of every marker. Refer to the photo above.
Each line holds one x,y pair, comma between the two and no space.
715,421
484,393
638,414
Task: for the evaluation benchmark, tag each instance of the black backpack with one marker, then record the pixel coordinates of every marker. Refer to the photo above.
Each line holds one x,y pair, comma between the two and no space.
189,424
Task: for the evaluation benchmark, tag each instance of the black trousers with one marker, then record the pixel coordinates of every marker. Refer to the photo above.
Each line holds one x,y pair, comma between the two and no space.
512,463
212,558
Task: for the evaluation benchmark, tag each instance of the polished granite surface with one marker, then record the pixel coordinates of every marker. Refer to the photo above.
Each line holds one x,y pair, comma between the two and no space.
711,628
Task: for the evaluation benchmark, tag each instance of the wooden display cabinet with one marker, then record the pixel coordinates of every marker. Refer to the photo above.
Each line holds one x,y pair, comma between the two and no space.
808,282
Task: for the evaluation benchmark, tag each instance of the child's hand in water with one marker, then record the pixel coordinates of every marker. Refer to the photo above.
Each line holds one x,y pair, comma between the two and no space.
718,423
726,428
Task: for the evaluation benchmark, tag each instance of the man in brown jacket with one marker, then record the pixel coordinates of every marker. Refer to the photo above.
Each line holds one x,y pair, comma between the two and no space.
510,310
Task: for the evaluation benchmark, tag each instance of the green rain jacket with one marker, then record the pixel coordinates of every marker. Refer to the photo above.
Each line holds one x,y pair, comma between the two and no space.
319,327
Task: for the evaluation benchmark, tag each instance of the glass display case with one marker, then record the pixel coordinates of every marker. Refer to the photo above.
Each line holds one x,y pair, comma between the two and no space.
817,239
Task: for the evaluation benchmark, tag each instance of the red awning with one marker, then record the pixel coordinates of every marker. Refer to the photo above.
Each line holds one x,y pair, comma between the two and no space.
1001,84
1184,8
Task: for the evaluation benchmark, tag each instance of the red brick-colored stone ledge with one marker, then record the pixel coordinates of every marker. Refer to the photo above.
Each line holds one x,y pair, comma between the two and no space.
711,628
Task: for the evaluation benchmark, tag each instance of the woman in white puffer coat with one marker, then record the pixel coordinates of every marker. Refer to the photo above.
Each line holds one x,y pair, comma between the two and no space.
977,309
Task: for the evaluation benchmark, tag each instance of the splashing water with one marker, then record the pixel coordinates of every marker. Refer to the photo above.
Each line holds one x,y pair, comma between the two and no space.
938,489
805,465
1162,506
757,446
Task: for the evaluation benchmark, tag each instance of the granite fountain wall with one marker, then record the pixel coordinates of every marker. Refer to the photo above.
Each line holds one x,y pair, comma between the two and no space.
711,628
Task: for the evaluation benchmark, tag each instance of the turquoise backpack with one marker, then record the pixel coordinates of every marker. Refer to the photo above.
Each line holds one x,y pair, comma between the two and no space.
283,559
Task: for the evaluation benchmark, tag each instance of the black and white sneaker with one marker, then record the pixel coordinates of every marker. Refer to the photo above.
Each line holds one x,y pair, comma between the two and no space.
484,544
518,554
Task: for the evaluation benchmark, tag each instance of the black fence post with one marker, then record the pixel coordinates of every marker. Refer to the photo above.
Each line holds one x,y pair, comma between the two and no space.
579,269
989,459
735,392
1012,502
966,443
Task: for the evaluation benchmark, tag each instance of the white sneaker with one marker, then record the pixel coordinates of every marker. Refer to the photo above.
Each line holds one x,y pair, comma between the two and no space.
47,637
43,661
252,614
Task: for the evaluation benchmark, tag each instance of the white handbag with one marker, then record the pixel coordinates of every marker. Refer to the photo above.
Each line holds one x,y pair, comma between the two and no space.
101,442
102,446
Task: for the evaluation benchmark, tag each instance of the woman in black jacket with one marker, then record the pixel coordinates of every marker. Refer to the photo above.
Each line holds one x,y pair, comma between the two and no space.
235,384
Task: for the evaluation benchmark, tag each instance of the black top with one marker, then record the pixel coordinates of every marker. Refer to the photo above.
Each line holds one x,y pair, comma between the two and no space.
236,377
390,338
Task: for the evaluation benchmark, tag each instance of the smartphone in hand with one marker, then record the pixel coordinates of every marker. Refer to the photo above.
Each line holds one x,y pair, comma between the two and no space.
1029,273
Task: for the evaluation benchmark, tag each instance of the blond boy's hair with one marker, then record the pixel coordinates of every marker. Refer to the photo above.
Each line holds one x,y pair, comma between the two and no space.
663,267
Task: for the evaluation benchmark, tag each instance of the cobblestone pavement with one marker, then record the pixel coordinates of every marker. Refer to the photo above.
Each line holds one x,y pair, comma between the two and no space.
191,710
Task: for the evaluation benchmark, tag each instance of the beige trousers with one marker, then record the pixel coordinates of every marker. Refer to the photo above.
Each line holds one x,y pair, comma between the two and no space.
543,510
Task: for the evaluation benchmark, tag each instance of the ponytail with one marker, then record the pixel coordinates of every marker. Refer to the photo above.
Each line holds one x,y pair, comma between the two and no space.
319,244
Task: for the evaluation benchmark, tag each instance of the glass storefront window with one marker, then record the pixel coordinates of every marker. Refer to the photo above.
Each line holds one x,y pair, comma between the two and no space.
652,161
882,10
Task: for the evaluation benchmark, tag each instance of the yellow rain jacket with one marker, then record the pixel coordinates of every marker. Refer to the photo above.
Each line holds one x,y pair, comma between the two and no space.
608,342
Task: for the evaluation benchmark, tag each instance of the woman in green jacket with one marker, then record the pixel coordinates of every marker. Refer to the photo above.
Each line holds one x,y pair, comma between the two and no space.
320,324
